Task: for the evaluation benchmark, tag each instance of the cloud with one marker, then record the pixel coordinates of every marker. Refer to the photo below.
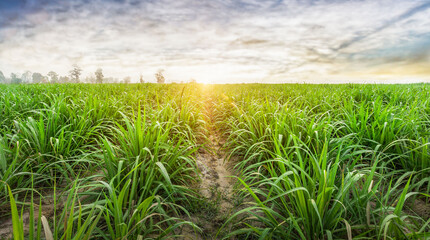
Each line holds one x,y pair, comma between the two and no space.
409,13
218,40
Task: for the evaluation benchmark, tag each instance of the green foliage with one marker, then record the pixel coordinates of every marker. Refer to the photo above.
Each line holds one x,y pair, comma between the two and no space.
313,161
62,135
328,161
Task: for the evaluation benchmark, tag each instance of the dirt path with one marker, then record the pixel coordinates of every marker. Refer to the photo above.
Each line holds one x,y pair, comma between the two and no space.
216,185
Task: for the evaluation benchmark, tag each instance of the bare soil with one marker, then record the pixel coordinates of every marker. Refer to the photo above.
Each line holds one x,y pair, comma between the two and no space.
48,208
215,185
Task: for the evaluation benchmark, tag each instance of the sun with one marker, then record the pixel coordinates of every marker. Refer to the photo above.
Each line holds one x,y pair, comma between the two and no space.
205,81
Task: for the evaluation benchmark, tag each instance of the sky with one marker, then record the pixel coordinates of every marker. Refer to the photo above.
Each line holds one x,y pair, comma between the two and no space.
221,41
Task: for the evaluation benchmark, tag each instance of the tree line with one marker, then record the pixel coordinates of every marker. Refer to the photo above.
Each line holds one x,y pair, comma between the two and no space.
73,77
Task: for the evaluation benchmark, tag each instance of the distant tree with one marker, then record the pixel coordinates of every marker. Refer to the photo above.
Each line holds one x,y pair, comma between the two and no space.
64,79
53,76
193,80
159,76
45,79
14,79
111,80
26,77
127,80
75,73
99,75
90,79
37,77
141,79
2,78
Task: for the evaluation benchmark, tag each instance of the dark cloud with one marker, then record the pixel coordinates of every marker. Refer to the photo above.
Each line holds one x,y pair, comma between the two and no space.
10,5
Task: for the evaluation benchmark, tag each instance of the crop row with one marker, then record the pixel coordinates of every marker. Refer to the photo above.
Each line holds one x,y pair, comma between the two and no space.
115,161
